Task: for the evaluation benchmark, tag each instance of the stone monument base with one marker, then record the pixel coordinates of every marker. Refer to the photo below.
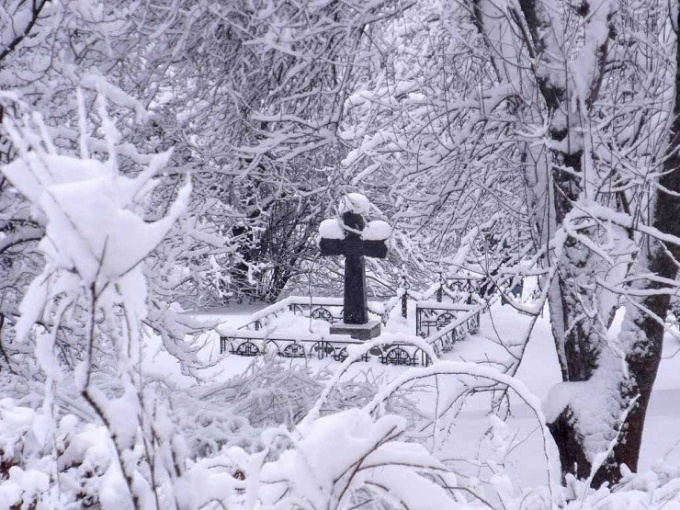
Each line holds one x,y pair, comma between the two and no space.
358,331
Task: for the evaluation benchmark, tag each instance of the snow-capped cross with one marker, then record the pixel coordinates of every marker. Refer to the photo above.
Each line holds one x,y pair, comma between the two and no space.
354,239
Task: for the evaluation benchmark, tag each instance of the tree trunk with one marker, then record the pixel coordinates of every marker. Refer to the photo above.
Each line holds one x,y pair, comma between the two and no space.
644,331
578,338
580,334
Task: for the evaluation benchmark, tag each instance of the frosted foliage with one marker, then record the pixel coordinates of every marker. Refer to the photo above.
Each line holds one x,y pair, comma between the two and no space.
92,225
340,454
87,471
331,229
15,422
340,461
95,240
376,230
87,207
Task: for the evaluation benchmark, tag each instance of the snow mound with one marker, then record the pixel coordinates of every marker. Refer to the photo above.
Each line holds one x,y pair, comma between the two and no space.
331,229
356,203
376,230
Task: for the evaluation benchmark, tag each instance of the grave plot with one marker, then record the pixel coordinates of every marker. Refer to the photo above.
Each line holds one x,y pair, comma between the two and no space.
312,327
300,327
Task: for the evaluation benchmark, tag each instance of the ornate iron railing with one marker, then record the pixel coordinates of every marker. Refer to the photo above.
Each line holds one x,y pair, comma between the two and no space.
441,325
434,316
399,351
255,343
444,339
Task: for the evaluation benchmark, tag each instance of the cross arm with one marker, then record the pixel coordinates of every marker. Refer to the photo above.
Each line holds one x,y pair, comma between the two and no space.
376,249
330,247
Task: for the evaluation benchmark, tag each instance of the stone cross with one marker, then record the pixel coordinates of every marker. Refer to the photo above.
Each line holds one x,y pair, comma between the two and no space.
355,240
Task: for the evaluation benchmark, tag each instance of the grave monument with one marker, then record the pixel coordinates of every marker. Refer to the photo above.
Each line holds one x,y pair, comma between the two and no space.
355,239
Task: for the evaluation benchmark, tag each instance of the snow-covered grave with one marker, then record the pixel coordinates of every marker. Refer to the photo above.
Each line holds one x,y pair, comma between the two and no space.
302,327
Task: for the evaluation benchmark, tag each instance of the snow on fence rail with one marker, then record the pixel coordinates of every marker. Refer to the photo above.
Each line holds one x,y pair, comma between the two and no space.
398,349
328,309
436,315
444,339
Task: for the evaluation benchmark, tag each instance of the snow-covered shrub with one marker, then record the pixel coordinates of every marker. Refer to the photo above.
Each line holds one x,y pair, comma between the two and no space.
21,438
344,460
270,393
349,459
64,465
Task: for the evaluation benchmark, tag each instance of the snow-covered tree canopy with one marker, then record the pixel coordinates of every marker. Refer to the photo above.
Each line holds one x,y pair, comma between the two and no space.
163,157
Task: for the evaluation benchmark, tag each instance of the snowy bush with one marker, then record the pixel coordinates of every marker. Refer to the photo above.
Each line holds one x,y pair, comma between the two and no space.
93,285
270,393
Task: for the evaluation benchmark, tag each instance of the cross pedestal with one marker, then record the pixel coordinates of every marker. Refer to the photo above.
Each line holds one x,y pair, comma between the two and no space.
357,331
355,247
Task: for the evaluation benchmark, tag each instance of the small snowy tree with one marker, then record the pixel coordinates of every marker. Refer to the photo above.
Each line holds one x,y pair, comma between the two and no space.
48,50
93,285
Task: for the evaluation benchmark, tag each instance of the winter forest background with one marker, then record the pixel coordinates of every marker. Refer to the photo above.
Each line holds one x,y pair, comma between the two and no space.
160,158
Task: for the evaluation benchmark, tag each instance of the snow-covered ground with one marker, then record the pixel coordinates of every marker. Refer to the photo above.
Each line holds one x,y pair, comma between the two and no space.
539,370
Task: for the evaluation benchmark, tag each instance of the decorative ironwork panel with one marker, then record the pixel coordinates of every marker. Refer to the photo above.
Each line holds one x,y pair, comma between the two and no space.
293,350
247,348
323,314
438,346
443,320
473,324
323,349
398,356
342,355
421,357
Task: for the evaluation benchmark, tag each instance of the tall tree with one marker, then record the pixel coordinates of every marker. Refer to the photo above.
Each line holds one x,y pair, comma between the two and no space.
558,103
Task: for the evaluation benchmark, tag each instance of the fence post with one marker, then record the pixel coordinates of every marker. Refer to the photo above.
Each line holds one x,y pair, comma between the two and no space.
405,285
440,290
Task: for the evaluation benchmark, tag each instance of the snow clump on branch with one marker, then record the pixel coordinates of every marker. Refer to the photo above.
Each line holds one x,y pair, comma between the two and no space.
356,203
92,229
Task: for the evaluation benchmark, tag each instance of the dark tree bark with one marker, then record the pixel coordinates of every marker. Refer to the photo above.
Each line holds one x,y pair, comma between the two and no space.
660,259
580,338
577,339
